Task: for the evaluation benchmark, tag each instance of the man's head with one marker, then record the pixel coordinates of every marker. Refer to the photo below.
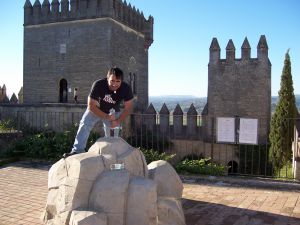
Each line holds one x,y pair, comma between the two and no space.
114,78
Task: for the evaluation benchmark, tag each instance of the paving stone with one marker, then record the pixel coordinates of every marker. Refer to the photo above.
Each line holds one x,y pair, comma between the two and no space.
204,203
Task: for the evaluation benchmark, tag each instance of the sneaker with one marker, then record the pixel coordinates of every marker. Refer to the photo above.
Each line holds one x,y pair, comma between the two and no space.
65,155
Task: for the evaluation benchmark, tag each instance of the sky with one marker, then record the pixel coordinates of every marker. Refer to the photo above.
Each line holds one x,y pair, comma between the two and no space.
183,31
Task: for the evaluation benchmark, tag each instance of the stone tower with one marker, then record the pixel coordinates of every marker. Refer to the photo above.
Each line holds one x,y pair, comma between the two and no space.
69,44
239,87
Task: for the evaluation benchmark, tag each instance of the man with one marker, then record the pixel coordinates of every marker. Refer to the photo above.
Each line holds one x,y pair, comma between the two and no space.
75,95
105,96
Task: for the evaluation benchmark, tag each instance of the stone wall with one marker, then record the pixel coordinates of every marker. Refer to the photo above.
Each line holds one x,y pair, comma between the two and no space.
57,117
67,50
239,87
219,153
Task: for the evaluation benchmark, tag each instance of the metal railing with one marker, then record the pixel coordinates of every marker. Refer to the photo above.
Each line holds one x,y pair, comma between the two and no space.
183,135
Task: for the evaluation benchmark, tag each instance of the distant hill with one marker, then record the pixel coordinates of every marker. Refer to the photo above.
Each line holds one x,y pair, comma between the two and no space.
185,102
275,99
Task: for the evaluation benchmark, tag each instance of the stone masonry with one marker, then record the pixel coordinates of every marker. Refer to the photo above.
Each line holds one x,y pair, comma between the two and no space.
239,87
69,44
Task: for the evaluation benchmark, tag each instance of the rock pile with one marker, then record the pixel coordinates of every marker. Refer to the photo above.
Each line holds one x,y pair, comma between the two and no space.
84,189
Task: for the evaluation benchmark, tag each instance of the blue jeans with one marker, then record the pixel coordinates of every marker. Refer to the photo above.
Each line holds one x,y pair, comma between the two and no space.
87,123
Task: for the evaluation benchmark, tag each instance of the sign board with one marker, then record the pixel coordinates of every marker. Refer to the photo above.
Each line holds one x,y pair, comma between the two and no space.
63,49
248,131
226,129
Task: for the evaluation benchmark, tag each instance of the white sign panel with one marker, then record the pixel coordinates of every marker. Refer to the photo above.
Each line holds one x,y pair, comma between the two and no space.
226,129
248,131
63,49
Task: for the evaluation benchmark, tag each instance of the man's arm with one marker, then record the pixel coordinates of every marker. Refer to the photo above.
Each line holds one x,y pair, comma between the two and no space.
93,106
126,111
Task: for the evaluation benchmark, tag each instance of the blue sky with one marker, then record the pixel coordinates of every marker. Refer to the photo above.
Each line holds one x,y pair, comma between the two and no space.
183,31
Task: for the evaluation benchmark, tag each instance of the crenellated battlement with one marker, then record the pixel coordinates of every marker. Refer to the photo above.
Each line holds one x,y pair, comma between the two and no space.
66,10
262,51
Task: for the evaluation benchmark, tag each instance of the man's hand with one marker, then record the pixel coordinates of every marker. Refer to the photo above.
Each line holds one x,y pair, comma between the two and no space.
114,123
93,106
111,117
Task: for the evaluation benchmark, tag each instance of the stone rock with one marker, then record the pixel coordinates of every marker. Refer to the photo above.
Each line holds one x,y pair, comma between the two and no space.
109,195
168,181
81,217
122,152
141,191
170,212
84,190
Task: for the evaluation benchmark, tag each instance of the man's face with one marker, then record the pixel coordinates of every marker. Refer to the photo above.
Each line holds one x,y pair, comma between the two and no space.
113,82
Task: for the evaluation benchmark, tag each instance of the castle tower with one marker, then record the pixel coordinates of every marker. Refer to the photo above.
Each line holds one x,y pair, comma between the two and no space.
239,87
71,43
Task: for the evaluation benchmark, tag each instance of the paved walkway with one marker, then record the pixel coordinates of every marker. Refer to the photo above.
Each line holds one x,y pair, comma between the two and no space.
23,192
215,201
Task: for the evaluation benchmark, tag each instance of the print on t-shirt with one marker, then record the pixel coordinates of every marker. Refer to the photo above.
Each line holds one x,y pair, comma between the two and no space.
108,99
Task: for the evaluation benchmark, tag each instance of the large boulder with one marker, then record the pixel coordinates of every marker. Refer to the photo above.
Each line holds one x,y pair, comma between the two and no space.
84,189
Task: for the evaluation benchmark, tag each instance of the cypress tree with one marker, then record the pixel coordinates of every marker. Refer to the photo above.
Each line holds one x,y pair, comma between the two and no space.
282,122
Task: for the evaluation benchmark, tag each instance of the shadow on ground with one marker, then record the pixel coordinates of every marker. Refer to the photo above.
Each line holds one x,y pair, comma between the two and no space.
29,164
204,213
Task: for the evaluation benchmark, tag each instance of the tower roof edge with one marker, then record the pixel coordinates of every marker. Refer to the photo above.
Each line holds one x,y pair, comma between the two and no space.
27,4
262,42
246,44
214,44
230,45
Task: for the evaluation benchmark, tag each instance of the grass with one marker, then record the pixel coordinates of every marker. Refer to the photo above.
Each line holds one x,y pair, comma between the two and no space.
286,172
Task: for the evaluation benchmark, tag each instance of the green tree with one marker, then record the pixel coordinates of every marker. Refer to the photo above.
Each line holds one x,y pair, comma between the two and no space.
282,122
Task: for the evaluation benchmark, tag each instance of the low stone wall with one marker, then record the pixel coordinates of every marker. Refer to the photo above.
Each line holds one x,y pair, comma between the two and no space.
40,116
220,153
54,116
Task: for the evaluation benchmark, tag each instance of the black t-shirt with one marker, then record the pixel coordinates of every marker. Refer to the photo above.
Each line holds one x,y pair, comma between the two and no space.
110,99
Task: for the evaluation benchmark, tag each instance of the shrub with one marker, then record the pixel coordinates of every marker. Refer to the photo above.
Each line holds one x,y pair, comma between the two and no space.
202,166
46,144
152,155
7,125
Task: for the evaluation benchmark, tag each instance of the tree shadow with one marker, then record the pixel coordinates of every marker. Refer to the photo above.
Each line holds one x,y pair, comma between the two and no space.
206,213
39,165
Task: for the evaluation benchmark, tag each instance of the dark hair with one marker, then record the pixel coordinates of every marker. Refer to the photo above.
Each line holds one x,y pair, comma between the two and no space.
115,71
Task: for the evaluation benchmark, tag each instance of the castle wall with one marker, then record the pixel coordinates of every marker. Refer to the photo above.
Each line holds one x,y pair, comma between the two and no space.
76,44
56,117
239,88
220,153
84,59
61,117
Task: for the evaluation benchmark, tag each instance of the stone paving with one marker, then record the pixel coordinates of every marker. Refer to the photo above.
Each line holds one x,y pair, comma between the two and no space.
212,201
23,191
225,203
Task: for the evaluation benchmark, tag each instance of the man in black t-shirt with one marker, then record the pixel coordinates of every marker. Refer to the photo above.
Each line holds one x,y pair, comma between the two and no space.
104,104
